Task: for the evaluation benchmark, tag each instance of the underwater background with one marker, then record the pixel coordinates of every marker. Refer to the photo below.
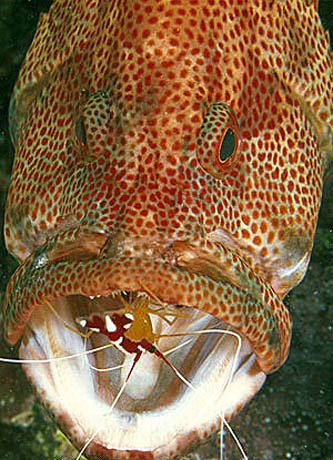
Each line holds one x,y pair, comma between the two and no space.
291,417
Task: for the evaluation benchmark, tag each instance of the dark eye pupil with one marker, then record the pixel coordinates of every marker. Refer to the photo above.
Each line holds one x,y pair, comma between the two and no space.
80,131
228,145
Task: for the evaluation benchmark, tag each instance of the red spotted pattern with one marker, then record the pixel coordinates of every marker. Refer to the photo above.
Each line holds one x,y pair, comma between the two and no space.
118,117
115,134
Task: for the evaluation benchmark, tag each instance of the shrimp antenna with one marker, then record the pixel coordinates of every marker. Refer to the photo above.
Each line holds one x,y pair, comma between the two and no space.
234,436
59,358
93,436
66,325
102,369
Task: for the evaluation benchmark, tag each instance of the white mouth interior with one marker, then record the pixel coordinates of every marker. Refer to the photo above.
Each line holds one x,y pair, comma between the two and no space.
156,406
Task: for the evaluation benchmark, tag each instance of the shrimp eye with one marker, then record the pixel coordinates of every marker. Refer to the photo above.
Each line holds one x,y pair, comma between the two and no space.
218,140
228,145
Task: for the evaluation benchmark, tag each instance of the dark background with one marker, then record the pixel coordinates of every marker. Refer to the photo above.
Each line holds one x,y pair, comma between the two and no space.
289,419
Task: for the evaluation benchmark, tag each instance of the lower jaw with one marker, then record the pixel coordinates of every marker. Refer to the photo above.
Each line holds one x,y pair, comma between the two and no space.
158,416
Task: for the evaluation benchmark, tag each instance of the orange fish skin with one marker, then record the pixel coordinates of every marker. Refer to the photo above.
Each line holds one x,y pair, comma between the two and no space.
118,118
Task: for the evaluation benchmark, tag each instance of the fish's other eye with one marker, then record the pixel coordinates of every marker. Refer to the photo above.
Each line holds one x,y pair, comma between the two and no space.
80,131
218,140
93,126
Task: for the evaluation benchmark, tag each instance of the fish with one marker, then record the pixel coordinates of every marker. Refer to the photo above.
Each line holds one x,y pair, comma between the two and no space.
172,151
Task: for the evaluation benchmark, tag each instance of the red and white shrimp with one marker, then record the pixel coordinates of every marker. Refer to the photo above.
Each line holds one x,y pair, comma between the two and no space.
130,329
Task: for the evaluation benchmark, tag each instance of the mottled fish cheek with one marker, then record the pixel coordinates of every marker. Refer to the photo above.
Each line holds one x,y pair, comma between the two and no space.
218,141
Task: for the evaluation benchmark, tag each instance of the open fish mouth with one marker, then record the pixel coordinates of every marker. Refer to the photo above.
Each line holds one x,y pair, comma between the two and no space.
220,326
157,412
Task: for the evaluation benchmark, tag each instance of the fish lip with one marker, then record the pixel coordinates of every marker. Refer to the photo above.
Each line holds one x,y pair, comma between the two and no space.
200,266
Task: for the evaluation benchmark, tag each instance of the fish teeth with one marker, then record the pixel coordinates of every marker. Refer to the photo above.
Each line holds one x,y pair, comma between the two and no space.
110,326
98,296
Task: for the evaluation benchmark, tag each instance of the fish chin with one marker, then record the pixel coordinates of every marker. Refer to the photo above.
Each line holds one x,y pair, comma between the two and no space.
158,415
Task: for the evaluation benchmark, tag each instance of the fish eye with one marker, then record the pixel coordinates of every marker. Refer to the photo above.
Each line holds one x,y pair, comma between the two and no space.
228,145
80,131
219,140
93,124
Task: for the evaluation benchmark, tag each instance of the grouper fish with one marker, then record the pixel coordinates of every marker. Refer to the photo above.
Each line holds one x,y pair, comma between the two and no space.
163,200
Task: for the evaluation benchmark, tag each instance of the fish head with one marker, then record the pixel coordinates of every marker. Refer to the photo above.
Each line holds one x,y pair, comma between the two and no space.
171,151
